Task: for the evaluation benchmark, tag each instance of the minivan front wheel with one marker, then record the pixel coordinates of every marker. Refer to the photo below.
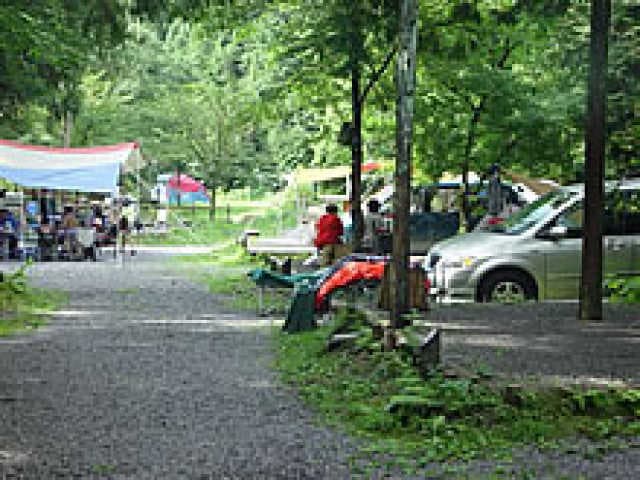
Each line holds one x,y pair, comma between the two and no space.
507,286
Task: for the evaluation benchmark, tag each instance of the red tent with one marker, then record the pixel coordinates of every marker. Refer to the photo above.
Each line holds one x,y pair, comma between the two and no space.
370,166
186,184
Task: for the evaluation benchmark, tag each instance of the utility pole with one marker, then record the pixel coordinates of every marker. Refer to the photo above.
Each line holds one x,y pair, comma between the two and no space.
595,140
405,83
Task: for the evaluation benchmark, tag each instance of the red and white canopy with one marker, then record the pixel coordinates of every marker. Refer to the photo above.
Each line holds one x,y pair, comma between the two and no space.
90,169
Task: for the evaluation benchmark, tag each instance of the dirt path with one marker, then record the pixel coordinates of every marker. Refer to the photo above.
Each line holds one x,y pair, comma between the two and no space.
142,376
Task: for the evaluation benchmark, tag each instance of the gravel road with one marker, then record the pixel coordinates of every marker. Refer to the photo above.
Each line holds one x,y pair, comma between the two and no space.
141,376
145,375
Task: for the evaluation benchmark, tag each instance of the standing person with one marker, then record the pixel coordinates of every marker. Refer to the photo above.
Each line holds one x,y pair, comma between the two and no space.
495,192
373,224
329,229
69,226
123,225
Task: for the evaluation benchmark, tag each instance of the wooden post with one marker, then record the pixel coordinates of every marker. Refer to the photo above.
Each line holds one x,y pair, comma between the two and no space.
591,282
405,82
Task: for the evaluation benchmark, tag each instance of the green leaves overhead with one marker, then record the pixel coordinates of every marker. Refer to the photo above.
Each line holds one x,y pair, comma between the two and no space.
244,90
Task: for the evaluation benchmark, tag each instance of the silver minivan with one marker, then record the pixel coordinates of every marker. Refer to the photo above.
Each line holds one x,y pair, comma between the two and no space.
536,254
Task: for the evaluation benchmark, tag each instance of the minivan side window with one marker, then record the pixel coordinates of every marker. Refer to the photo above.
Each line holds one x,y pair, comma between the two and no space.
621,215
572,219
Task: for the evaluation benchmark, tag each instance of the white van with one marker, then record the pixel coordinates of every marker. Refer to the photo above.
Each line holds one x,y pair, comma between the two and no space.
537,253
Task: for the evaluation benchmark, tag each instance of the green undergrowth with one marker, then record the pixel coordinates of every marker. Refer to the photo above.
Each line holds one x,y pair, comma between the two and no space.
23,307
624,289
379,396
225,272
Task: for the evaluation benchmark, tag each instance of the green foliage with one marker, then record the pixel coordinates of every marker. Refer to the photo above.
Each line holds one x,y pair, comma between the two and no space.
14,283
241,92
379,396
21,306
624,289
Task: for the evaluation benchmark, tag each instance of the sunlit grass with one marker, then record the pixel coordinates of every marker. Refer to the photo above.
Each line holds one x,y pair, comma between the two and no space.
25,311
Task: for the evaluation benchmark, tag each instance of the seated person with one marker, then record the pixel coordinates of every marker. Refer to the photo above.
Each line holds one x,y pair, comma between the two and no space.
86,238
9,226
47,241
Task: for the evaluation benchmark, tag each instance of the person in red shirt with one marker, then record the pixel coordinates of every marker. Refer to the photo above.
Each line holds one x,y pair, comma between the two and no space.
329,228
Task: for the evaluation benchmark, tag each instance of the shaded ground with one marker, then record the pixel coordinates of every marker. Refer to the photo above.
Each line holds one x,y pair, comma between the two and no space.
543,341
142,376
146,375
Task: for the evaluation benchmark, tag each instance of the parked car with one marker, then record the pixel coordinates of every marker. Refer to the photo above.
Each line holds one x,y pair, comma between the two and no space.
536,255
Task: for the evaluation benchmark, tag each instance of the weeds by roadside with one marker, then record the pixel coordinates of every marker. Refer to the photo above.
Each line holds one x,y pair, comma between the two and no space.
411,422
23,307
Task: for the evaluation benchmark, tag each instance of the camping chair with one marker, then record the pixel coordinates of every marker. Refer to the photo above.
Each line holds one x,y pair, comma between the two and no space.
267,279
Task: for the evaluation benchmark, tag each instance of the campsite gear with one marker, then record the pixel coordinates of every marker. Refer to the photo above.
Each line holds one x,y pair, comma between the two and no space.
270,279
350,272
301,313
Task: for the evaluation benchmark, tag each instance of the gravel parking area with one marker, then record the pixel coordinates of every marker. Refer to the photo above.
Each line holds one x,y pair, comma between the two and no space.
543,341
144,376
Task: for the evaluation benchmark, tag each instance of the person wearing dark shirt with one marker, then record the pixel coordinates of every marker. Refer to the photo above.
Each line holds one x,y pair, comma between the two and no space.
9,227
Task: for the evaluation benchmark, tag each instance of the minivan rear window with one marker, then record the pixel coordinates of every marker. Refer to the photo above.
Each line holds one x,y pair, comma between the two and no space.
533,213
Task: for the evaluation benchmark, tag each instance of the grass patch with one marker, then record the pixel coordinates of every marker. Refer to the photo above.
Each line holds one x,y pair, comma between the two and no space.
204,232
23,307
229,263
378,396
239,292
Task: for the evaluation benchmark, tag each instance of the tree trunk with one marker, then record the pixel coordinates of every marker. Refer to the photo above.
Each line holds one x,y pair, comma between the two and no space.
68,128
591,282
212,205
471,138
405,82
356,157
178,172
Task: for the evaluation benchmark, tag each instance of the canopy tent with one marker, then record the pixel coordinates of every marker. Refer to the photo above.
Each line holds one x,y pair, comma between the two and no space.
190,190
91,169
304,176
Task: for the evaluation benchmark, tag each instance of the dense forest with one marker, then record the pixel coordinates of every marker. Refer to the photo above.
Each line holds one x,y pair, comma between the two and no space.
239,92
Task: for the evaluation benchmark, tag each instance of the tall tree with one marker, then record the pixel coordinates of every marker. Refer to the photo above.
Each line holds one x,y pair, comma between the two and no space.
406,82
595,139
342,38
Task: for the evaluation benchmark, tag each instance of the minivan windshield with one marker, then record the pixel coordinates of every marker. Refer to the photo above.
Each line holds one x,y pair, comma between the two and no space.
534,212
